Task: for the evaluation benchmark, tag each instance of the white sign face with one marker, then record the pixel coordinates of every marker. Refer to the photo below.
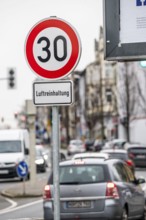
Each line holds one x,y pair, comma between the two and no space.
132,21
58,53
53,93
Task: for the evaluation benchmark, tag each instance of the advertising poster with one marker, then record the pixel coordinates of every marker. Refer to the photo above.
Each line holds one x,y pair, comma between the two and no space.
132,21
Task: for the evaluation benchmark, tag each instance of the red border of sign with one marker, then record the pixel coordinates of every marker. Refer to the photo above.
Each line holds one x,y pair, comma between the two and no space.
76,48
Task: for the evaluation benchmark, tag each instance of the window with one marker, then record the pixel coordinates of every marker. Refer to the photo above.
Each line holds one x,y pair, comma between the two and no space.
120,173
129,173
108,95
10,146
82,174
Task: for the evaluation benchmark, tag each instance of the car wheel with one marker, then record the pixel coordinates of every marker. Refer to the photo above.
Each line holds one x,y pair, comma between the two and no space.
124,215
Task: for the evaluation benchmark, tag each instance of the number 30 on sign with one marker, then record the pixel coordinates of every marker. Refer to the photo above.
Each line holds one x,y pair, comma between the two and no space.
53,48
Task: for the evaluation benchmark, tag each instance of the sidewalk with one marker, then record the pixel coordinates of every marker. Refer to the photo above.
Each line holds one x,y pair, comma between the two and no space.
26,189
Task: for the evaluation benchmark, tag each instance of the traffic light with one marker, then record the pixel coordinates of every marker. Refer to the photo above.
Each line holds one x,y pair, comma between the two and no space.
11,78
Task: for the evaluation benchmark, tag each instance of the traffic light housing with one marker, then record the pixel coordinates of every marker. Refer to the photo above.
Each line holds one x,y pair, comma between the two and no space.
11,78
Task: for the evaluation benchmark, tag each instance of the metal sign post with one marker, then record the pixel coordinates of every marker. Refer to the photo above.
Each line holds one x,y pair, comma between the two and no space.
53,49
56,174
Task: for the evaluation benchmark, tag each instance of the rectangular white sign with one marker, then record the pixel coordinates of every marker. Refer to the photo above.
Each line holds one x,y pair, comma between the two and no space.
132,21
53,93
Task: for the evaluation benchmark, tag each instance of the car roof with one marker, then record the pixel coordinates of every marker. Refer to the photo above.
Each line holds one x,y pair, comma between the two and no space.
88,161
90,155
122,151
118,140
75,140
136,146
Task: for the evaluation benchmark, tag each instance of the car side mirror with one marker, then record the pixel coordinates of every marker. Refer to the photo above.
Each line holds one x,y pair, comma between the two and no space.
140,180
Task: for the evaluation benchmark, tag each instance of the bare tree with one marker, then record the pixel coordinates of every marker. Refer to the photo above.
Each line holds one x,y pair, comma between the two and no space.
129,94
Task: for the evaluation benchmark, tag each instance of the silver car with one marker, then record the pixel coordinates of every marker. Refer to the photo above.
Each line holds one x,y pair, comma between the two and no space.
91,189
76,146
94,155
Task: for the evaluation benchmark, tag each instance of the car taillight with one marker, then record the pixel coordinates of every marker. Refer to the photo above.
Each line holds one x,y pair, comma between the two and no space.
112,191
129,163
47,192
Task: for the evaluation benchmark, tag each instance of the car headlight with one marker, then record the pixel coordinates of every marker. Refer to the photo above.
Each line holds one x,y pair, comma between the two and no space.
39,161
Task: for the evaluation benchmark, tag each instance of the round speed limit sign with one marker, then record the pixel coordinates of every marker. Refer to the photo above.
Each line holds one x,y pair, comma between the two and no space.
52,48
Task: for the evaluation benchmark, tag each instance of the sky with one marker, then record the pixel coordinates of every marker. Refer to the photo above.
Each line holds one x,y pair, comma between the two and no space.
17,17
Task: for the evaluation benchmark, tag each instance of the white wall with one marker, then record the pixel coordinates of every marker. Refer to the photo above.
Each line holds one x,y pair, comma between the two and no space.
138,131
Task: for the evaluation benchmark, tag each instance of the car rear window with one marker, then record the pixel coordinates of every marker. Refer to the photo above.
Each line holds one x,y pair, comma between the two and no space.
76,142
137,150
121,156
79,174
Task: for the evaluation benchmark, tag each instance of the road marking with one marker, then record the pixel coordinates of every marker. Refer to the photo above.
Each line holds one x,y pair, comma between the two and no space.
13,204
19,207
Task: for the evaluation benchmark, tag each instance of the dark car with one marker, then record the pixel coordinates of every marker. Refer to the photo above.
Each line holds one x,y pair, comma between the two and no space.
137,153
40,161
96,189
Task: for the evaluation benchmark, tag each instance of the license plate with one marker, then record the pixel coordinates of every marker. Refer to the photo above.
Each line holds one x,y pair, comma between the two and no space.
79,204
4,171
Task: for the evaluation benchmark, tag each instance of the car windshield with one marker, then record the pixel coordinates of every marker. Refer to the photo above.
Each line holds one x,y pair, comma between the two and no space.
10,146
82,174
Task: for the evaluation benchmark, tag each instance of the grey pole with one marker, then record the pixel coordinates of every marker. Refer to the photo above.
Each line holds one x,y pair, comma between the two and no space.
56,174
31,113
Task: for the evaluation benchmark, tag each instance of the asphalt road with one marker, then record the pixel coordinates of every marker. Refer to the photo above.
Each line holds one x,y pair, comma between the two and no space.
31,210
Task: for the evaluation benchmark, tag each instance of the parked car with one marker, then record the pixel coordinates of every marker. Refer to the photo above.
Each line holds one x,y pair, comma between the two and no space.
94,155
76,146
137,153
122,155
96,189
40,160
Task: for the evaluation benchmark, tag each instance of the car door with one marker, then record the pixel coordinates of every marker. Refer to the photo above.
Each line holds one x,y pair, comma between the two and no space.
128,191
138,194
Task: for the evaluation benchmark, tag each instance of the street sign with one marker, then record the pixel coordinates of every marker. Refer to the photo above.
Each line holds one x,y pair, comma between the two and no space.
53,92
53,48
22,169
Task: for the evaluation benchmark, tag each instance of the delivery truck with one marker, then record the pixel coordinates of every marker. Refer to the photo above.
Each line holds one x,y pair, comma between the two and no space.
14,148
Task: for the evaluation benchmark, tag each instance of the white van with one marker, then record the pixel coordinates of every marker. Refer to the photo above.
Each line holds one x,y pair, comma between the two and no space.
14,148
